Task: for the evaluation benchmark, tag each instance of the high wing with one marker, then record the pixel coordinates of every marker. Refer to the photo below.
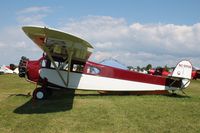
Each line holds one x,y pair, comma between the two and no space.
59,44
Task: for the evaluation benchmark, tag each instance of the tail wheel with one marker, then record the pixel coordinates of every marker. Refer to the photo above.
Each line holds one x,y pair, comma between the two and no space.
39,94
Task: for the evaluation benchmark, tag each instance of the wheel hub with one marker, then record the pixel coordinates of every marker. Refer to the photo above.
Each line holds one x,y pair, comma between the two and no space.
39,95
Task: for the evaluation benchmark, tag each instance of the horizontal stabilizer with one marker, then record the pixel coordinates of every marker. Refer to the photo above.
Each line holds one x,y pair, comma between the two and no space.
183,70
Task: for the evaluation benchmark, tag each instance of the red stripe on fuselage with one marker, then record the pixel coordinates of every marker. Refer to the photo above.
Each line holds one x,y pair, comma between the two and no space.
111,72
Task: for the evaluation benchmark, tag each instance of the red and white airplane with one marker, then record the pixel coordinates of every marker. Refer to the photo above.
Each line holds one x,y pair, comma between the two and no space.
163,72
5,70
65,65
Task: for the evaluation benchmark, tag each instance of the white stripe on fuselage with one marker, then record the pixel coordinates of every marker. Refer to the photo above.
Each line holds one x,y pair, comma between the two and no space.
92,82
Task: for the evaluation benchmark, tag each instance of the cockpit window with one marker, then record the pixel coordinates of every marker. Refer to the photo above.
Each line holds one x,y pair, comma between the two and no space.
48,64
56,63
93,70
77,68
43,63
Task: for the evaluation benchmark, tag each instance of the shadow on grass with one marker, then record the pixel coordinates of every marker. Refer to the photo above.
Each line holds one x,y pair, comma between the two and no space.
128,94
61,100
174,95
124,93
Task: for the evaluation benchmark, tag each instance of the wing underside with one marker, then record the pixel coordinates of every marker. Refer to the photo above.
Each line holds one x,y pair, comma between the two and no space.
59,44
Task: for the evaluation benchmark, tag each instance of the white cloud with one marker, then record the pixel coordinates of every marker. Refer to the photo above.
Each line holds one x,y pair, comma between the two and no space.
14,44
32,19
2,44
33,15
34,9
21,44
96,27
132,44
158,44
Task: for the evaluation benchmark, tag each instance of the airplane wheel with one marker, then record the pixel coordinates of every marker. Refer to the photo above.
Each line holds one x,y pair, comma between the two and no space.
39,94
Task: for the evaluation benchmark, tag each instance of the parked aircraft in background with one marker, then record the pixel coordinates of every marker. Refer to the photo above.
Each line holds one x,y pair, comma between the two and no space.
8,70
163,72
5,70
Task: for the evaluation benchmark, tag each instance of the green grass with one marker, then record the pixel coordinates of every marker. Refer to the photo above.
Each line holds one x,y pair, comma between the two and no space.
87,111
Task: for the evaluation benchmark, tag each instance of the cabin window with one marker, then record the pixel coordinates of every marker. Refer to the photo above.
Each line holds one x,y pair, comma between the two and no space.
77,68
93,70
56,63
43,63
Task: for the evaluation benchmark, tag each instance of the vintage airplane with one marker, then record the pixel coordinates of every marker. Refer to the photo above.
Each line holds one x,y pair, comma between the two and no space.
5,70
163,72
65,65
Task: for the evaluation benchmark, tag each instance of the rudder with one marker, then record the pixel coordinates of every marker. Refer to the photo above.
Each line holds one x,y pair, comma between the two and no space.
183,70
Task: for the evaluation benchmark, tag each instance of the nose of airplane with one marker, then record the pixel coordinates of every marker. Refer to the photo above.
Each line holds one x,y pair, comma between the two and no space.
22,66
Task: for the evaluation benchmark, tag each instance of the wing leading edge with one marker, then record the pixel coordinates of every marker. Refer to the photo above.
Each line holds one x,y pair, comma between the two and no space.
59,44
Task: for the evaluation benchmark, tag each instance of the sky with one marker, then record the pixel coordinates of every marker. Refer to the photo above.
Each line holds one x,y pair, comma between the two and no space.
134,32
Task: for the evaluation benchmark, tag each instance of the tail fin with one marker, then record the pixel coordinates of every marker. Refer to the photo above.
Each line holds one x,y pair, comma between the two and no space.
183,70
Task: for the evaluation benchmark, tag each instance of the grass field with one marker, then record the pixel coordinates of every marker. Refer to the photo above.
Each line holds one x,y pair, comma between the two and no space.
87,111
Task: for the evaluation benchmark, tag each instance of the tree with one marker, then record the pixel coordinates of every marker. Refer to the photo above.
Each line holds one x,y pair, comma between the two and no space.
148,67
138,68
166,68
130,67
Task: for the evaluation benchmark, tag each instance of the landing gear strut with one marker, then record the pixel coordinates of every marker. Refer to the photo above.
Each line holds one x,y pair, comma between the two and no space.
39,93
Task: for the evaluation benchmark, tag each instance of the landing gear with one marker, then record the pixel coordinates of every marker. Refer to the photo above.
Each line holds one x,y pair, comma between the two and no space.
40,93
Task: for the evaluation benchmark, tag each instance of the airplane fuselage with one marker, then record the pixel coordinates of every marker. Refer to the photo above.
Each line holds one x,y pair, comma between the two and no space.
94,76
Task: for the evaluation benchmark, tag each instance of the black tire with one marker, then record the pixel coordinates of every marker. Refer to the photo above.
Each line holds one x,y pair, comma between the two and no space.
39,94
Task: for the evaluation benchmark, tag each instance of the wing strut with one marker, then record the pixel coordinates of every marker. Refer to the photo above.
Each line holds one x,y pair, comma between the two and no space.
54,64
69,59
70,53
